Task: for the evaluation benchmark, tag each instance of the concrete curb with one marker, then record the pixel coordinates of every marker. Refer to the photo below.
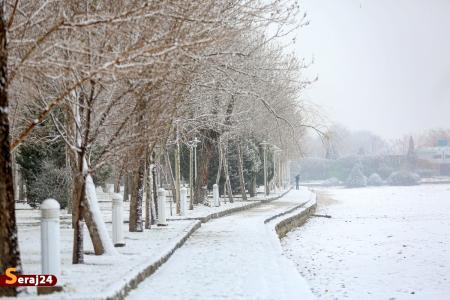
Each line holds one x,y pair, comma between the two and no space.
296,216
277,227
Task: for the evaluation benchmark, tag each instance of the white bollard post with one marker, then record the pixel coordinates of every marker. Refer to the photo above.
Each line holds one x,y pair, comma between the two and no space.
183,203
216,195
162,207
117,220
50,239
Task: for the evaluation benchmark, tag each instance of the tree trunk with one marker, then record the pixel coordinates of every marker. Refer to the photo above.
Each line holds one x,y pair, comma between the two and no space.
86,207
149,192
252,189
219,169
9,244
206,152
148,195
118,178
241,172
126,190
137,194
154,207
14,172
117,184
171,178
224,188
77,219
21,187
94,221
227,174
69,205
70,156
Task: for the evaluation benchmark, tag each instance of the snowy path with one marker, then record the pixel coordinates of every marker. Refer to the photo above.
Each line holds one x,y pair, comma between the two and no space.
381,243
235,257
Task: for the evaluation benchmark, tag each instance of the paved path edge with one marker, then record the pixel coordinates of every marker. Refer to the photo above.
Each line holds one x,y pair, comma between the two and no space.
133,282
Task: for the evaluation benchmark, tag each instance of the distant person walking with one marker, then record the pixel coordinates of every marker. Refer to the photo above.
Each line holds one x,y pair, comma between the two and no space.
297,181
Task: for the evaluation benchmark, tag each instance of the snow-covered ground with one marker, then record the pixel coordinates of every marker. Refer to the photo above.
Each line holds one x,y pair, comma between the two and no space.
381,243
101,274
234,257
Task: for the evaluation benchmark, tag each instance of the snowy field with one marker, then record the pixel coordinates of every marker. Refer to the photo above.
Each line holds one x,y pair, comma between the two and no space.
381,243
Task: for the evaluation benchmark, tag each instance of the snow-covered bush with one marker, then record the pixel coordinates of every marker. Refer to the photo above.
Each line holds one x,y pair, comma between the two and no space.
321,169
403,178
356,177
333,181
384,171
375,180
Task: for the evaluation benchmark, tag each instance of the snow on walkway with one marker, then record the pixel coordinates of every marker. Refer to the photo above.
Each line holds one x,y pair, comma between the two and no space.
381,243
234,257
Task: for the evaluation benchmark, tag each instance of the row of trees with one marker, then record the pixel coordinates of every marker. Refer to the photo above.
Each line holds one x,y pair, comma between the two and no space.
112,86
338,141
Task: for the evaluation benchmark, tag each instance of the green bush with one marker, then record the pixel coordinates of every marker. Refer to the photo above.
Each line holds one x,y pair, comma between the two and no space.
53,182
43,167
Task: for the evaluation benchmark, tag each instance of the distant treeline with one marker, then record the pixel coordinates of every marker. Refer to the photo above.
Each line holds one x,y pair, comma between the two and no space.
321,168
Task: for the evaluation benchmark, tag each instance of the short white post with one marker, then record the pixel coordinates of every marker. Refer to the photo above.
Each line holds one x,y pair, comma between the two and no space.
162,207
50,239
216,195
117,220
183,204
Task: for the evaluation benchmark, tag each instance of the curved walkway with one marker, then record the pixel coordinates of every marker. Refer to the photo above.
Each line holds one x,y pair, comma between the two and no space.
234,257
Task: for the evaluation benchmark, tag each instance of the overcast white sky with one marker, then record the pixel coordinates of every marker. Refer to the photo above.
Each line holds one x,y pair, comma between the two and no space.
383,65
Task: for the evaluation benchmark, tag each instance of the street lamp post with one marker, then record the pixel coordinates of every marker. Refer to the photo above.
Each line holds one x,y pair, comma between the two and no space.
177,175
192,152
264,145
191,181
196,141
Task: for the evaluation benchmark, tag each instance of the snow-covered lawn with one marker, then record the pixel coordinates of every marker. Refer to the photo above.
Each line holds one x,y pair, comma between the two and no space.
381,243
26,216
100,274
